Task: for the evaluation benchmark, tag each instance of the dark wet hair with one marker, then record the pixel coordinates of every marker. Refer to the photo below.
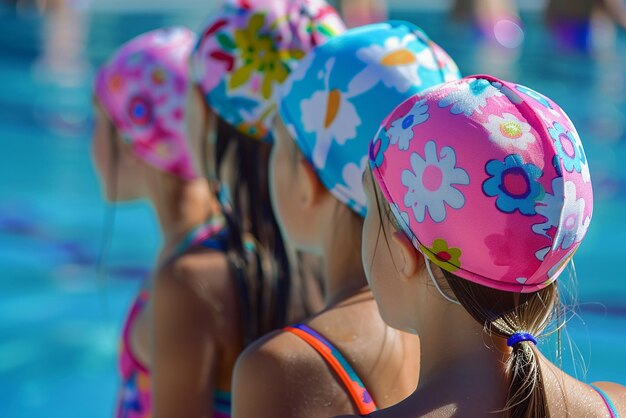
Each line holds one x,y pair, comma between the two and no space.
256,248
259,258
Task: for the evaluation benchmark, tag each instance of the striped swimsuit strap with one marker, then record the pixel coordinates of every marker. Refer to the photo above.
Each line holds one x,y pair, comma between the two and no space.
222,404
354,385
207,234
607,401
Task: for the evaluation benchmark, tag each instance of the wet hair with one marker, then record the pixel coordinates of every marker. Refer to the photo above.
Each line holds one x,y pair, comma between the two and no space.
266,276
503,314
263,274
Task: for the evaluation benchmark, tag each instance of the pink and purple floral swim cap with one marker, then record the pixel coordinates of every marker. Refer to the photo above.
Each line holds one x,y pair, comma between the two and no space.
249,47
142,89
489,179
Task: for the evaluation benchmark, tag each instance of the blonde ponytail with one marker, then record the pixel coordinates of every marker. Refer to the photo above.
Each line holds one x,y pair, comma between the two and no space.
508,315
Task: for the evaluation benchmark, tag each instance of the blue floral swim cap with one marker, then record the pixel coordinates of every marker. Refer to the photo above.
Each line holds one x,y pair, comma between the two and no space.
334,101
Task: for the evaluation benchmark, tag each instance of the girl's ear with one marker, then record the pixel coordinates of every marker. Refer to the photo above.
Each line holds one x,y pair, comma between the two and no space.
406,257
312,188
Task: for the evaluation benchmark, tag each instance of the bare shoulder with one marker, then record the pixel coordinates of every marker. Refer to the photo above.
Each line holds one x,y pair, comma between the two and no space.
206,265
616,393
200,284
569,396
278,348
281,375
203,275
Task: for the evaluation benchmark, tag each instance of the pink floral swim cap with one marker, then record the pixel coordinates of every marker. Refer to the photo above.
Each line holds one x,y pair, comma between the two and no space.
489,179
249,47
142,88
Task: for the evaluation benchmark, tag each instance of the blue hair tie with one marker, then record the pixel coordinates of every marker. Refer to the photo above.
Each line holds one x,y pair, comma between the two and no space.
520,337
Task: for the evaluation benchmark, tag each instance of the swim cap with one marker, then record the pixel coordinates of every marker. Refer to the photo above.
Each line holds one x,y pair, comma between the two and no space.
489,179
333,103
248,48
142,89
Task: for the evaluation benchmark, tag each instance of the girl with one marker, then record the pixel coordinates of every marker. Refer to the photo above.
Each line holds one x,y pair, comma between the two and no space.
140,151
246,50
479,214
343,359
194,306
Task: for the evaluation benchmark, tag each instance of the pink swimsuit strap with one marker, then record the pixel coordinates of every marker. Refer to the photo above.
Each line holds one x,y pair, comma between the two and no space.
135,394
135,310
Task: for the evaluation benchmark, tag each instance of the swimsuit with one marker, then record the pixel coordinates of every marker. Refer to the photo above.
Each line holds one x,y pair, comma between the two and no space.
134,399
607,401
354,385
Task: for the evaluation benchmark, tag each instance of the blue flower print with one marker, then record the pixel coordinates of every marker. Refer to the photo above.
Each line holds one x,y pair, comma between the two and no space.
401,129
556,163
568,147
532,93
130,395
378,148
469,97
514,184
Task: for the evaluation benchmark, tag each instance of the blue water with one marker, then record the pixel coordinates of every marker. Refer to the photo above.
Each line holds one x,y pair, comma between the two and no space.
59,320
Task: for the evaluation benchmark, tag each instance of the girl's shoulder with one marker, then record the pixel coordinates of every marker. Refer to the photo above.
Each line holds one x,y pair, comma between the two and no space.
568,396
299,364
279,374
199,283
285,355
198,268
615,396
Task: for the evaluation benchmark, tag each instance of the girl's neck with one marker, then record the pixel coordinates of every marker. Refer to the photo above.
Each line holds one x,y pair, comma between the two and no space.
180,205
344,275
455,348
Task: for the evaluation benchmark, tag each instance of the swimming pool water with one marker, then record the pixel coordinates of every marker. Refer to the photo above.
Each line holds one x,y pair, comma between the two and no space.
59,321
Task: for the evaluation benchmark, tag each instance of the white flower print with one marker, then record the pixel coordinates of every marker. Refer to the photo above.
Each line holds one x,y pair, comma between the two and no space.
572,227
509,131
558,268
562,211
548,121
430,183
337,122
550,208
469,96
549,115
352,190
401,130
395,57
